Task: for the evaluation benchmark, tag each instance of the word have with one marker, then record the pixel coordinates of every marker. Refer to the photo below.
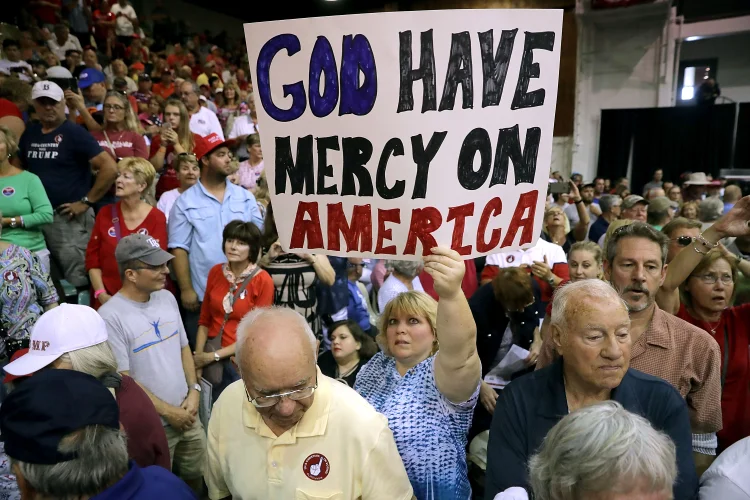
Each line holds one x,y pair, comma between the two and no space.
356,84
358,234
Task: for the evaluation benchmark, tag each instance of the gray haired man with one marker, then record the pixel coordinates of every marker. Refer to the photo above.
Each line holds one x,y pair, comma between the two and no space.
62,432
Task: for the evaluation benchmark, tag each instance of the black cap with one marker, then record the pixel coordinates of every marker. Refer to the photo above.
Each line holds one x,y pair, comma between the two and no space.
144,77
45,408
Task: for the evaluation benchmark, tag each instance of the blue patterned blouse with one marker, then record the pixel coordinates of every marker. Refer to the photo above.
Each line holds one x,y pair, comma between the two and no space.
25,290
429,430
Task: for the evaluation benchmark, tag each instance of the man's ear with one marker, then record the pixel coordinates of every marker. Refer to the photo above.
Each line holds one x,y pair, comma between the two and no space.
663,274
557,338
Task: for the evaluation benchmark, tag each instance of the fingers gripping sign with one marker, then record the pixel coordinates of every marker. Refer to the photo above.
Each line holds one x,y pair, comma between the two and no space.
447,269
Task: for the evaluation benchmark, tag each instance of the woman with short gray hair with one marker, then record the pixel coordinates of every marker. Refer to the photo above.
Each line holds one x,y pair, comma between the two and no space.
603,449
403,278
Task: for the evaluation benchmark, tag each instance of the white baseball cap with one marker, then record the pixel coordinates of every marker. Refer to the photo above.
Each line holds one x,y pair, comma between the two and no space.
58,72
65,328
45,88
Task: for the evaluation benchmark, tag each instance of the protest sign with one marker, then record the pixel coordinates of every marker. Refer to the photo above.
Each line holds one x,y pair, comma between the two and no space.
386,134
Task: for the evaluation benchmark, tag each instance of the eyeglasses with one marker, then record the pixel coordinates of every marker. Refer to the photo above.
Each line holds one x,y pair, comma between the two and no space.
273,400
711,278
683,241
186,155
115,107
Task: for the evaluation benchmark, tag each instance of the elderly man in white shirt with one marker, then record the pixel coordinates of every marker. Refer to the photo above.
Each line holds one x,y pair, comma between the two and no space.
203,121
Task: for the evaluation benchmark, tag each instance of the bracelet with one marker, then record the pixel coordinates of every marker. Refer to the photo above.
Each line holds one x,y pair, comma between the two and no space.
706,243
695,247
23,224
99,292
578,201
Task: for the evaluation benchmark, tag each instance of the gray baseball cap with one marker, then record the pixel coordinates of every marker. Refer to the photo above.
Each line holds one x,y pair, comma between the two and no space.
141,247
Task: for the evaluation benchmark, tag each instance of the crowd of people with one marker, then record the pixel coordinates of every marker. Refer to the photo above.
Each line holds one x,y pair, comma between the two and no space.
157,339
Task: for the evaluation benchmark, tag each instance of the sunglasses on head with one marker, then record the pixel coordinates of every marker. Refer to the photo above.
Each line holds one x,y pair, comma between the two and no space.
683,241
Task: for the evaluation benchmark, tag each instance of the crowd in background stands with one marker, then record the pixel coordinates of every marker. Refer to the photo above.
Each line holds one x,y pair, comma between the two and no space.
132,183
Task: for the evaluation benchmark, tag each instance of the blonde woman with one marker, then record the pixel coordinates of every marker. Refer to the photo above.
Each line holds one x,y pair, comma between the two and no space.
175,138
131,214
426,380
121,135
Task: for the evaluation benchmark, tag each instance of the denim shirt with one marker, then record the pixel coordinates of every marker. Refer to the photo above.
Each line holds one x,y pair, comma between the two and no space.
197,221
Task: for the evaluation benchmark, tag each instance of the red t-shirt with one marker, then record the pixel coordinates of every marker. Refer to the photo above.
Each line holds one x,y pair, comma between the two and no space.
125,142
559,269
163,91
468,284
101,30
147,442
259,293
174,59
168,178
48,15
735,396
100,253
7,108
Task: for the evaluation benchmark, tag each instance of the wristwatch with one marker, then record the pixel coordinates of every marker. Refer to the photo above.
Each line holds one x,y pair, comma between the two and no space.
551,280
13,222
85,200
217,358
197,387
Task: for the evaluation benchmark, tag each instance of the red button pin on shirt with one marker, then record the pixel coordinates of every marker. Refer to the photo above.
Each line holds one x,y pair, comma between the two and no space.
316,467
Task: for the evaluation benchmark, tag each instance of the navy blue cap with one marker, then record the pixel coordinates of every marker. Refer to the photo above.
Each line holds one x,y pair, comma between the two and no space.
52,404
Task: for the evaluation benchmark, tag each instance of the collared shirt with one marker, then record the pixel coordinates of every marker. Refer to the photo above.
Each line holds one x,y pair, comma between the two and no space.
683,355
197,221
531,405
340,449
150,483
205,122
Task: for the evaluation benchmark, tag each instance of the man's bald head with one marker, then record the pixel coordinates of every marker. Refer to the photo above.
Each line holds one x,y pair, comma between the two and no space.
276,351
289,328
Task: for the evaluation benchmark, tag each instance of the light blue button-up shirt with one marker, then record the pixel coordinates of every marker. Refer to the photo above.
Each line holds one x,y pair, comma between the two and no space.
197,221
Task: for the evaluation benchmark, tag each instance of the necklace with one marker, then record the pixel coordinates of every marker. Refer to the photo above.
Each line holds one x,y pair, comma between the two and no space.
713,328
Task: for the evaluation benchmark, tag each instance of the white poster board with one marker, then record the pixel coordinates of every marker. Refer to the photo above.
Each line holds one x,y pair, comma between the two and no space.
386,134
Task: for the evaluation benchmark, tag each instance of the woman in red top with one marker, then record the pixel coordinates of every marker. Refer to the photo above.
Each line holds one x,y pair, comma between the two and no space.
175,138
129,215
121,135
220,308
706,276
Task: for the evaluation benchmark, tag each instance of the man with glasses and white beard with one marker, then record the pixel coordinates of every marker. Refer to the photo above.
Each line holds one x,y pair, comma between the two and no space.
287,431
663,345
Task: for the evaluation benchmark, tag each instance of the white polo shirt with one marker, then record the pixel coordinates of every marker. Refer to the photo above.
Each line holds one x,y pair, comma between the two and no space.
341,449
205,122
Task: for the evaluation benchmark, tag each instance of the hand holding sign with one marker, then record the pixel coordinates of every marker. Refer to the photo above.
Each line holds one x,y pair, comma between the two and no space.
446,267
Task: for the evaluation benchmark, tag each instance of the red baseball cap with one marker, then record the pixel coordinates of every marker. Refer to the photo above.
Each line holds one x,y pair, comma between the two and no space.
209,143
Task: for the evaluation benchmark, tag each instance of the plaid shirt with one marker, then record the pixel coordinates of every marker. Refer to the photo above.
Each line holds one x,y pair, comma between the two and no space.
683,355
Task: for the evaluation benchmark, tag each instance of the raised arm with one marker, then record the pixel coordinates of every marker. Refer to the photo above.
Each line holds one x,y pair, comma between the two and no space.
580,231
733,223
457,365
